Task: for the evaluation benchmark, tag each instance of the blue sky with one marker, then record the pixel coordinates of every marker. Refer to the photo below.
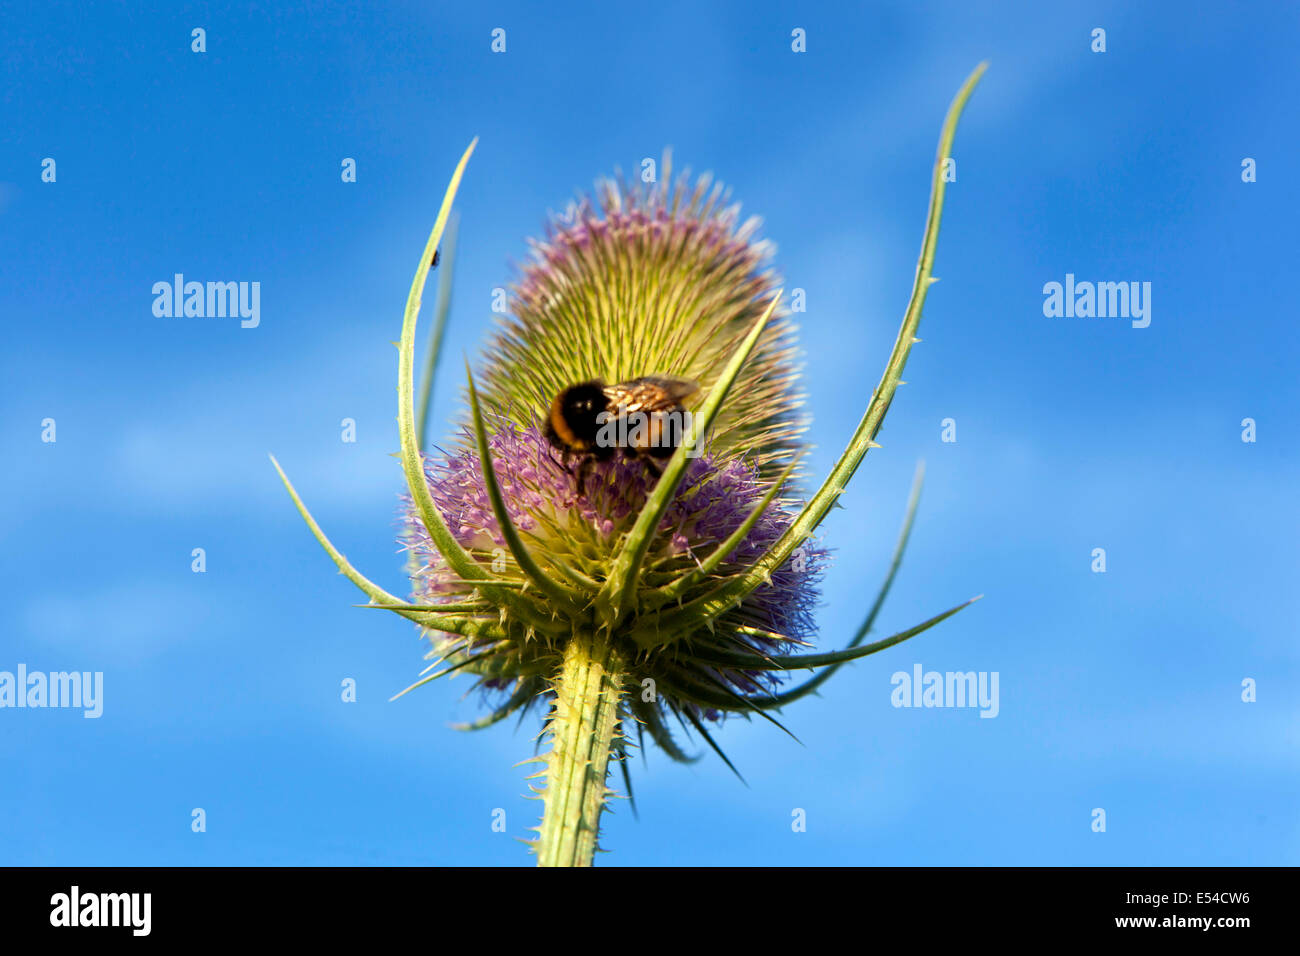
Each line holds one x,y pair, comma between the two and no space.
1119,691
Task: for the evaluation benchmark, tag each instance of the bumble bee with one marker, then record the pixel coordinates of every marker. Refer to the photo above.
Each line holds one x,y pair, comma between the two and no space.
643,418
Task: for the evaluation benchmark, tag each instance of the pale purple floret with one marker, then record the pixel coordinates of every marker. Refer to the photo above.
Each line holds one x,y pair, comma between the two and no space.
718,237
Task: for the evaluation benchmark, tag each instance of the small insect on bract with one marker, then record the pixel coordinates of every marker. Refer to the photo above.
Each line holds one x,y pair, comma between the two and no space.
436,254
642,418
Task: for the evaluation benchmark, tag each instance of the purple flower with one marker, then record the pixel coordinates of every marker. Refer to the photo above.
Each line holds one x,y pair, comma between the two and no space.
581,532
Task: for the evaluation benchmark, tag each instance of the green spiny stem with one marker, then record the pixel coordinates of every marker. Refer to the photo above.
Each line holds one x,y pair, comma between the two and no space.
583,727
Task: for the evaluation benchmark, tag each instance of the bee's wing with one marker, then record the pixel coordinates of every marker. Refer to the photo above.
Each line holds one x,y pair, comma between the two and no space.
650,393
677,389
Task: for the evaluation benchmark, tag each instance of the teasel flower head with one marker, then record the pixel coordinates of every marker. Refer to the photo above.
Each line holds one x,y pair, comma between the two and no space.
627,598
